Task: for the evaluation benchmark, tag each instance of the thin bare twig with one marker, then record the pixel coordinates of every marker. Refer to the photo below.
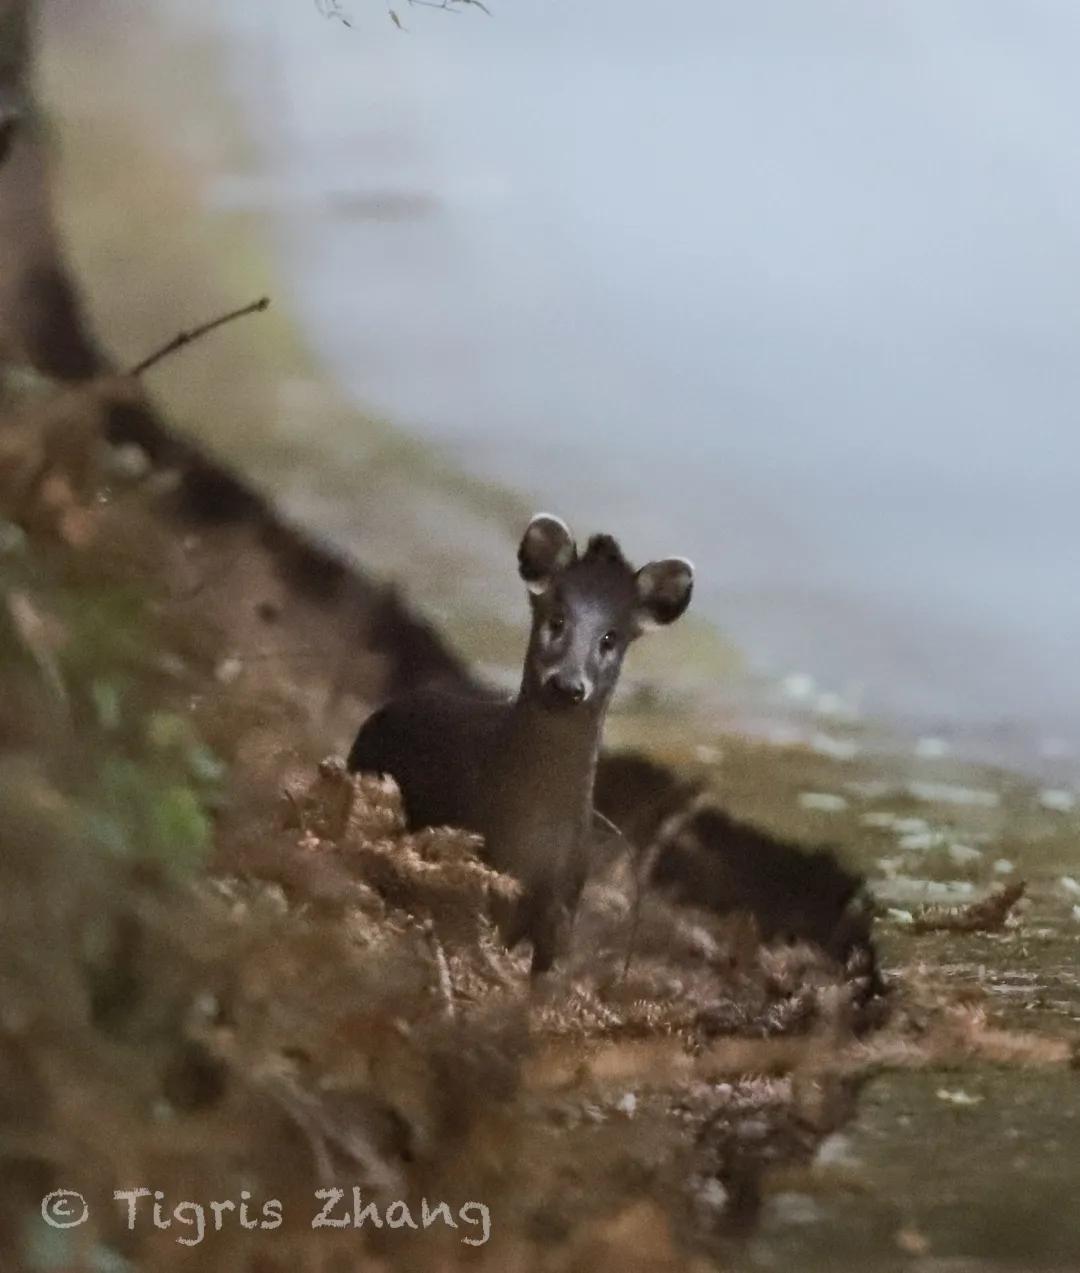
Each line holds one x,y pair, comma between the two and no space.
323,1132
986,916
298,811
333,9
9,126
451,6
442,969
196,333
642,871
298,1108
287,656
32,631
635,876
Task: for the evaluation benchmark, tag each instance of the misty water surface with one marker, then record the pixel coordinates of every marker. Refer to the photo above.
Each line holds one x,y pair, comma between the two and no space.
789,288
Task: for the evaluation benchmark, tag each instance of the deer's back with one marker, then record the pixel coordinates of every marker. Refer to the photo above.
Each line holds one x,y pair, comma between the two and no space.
439,748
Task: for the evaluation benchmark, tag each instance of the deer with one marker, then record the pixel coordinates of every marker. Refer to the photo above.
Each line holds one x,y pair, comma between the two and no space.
520,772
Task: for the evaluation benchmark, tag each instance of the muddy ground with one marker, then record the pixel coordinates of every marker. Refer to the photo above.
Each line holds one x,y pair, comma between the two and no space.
209,910
227,967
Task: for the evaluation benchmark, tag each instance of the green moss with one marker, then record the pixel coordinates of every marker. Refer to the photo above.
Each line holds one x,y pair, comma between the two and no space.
129,767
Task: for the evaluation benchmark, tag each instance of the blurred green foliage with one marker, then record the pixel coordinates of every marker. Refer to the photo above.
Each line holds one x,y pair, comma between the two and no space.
82,681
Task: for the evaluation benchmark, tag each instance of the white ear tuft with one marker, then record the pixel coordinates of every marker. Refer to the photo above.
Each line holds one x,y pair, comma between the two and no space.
546,548
664,589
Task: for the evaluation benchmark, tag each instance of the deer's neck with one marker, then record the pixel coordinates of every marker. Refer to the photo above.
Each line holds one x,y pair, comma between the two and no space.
555,751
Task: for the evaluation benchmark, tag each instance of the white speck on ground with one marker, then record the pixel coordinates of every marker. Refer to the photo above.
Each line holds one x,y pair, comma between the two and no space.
798,685
964,855
952,793
794,1208
711,1195
920,841
957,1096
882,819
831,705
1057,800
835,748
822,801
910,826
871,789
835,1151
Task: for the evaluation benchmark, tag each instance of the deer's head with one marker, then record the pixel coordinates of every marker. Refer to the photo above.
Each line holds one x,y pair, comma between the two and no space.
587,608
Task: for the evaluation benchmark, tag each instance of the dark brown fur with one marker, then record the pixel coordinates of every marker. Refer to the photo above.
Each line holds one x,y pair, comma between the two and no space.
521,773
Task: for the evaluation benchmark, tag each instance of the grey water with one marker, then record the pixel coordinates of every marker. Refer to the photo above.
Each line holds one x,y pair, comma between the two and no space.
792,289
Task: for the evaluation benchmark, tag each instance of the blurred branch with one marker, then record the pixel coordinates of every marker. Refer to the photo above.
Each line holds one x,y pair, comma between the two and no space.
8,125
451,6
442,969
33,633
334,9
16,22
185,338
637,874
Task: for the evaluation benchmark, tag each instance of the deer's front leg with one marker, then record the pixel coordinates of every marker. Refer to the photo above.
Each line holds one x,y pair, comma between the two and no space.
550,927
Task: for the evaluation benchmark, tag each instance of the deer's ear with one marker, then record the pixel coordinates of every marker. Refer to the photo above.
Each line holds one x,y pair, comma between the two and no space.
546,548
663,589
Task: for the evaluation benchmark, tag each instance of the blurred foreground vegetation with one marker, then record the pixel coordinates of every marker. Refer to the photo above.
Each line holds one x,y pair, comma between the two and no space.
225,967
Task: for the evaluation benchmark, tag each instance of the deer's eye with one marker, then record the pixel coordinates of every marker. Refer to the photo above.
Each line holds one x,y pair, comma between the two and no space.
556,625
609,641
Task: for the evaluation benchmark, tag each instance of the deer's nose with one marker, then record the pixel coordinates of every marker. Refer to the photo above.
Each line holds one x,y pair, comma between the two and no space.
571,688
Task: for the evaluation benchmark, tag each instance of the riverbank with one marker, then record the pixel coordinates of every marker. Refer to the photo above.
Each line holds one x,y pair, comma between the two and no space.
170,792
258,397
923,827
